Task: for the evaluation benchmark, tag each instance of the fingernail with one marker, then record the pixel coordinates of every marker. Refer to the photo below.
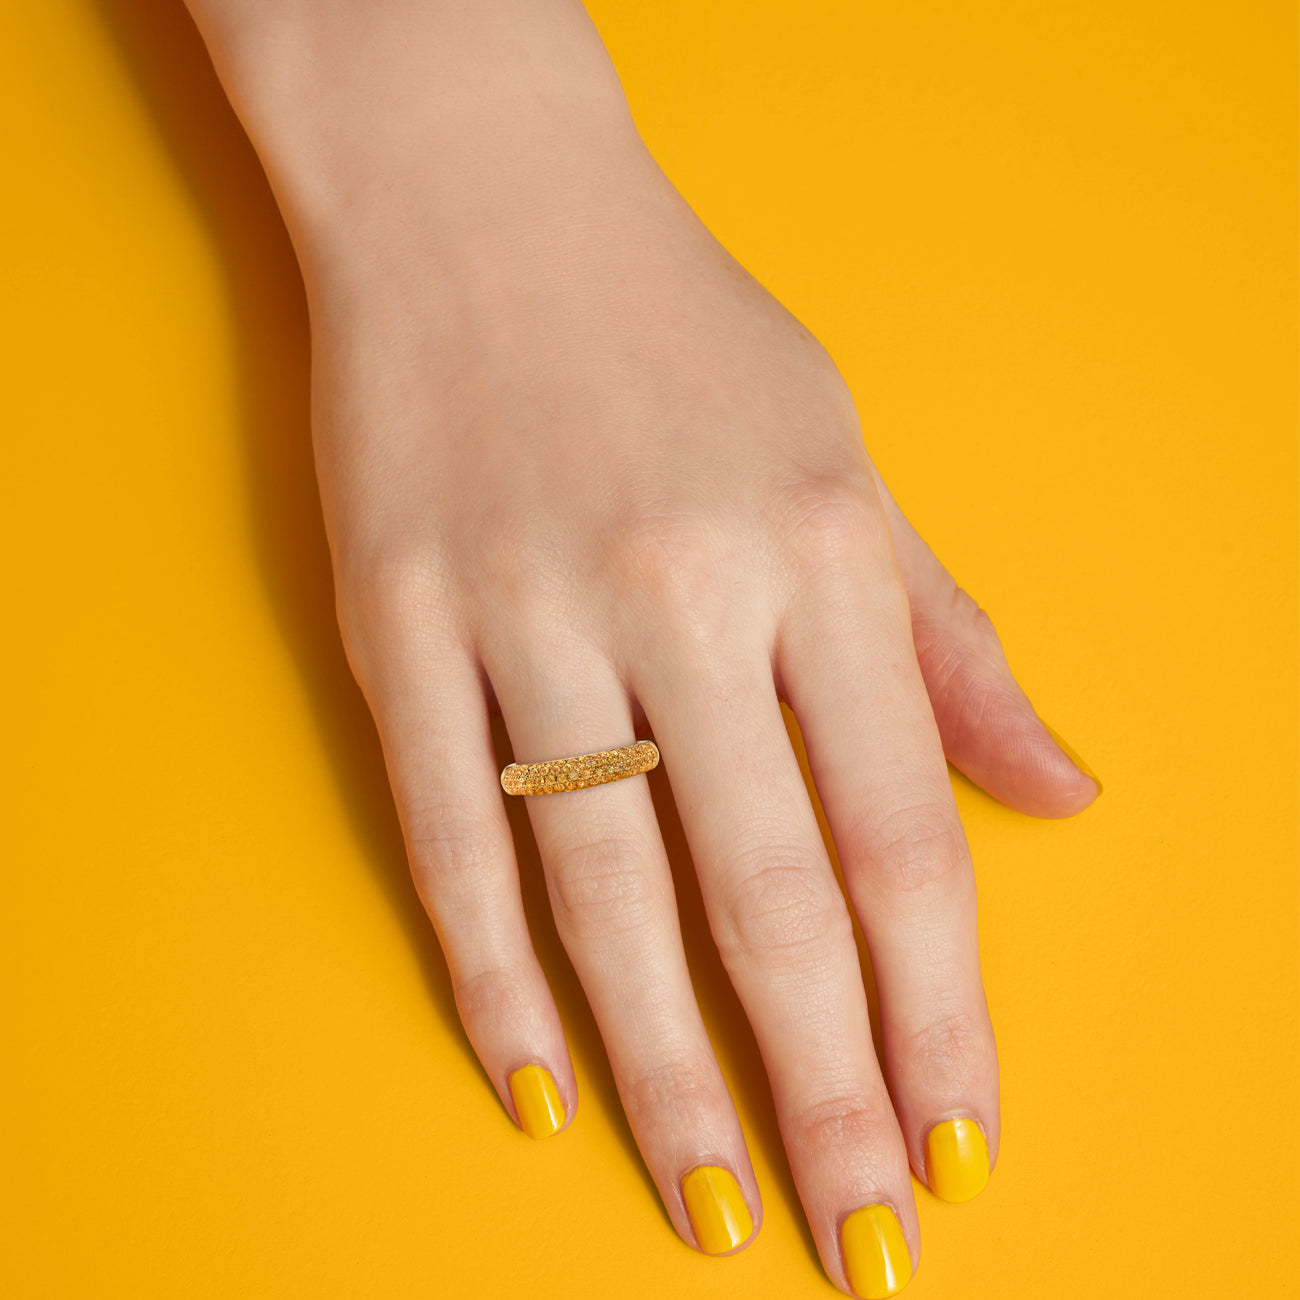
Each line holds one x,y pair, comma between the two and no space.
717,1208
537,1101
1073,755
956,1159
876,1258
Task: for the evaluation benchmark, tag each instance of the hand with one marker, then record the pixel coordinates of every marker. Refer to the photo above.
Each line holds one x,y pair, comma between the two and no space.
577,465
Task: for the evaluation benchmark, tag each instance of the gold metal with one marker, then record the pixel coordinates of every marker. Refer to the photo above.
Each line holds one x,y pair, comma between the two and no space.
559,774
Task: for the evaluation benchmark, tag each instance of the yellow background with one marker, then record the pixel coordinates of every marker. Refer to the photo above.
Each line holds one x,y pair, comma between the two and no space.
1053,249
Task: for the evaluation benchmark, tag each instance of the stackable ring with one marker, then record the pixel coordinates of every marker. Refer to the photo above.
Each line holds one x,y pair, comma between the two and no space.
556,775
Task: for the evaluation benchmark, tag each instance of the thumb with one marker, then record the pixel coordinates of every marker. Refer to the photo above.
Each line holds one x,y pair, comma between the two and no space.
989,729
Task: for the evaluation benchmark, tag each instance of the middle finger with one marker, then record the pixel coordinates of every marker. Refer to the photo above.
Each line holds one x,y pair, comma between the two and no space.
785,935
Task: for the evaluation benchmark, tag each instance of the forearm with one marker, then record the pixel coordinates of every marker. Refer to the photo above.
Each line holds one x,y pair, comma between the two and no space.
423,124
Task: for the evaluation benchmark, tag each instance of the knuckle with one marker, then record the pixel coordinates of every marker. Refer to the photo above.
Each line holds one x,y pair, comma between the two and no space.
495,996
913,849
953,1047
956,642
396,587
788,911
601,887
390,597
666,553
674,1091
983,633
969,615
522,563
447,849
839,1125
835,520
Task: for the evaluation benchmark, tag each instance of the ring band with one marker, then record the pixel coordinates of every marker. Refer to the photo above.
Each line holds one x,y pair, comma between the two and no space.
559,774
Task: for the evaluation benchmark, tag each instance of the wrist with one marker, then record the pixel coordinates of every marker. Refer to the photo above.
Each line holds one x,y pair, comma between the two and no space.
391,129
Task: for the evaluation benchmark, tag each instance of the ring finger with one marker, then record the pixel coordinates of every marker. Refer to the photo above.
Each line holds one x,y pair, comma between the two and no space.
611,892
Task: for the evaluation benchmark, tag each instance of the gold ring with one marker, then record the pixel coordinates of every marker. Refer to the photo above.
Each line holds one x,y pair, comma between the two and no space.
559,774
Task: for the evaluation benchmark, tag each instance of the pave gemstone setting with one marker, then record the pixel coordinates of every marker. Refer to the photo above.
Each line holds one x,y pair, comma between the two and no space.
557,775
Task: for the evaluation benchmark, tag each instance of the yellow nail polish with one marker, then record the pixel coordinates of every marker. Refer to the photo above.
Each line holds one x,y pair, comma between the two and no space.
717,1208
956,1159
876,1258
537,1101
1073,755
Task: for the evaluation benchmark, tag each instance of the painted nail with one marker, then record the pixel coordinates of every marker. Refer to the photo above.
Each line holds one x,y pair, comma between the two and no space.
876,1258
1073,755
956,1159
537,1101
717,1208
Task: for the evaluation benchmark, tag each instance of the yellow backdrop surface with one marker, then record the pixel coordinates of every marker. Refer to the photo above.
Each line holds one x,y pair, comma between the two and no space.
1053,249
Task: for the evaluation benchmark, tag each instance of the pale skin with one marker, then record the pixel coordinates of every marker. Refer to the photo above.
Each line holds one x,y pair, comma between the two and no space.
578,467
